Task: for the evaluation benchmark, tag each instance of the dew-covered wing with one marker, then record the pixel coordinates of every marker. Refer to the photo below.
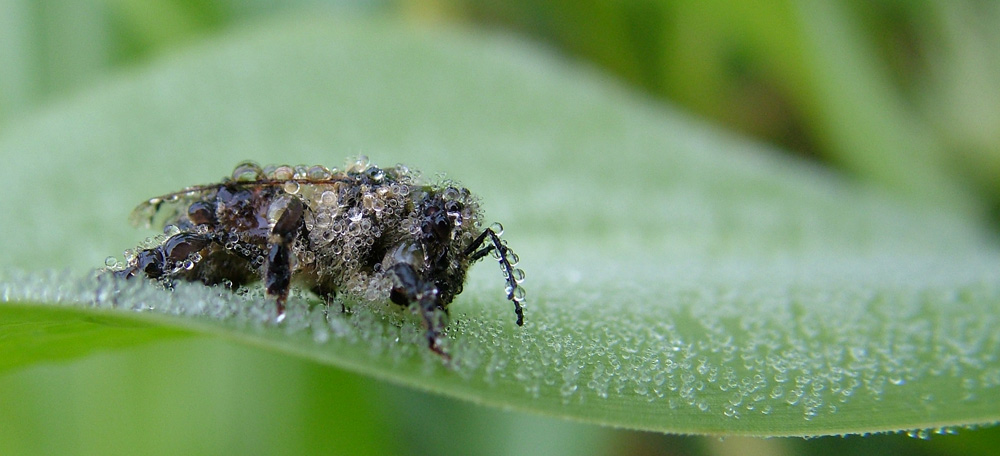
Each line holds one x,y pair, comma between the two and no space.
165,209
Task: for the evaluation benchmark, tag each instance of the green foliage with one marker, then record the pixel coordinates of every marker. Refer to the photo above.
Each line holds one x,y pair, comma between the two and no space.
904,94
680,279
56,47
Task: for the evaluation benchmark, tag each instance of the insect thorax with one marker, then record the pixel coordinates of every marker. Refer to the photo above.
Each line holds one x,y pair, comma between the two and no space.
358,226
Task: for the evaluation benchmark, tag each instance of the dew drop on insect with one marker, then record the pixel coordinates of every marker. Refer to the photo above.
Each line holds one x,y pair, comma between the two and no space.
515,292
283,172
519,293
359,165
518,275
497,228
328,198
291,187
111,262
298,171
354,214
318,173
512,257
337,227
247,171
323,219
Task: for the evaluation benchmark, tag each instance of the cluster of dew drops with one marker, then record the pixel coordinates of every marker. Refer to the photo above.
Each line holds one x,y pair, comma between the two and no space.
346,219
516,274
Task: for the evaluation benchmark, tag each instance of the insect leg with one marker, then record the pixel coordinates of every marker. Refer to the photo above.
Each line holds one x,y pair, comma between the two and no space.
278,269
507,259
409,287
329,295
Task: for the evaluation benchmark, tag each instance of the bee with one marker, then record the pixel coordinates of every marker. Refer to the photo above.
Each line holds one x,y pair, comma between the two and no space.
367,232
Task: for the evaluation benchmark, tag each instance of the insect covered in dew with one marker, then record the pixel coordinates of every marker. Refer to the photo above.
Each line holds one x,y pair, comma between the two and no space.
368,232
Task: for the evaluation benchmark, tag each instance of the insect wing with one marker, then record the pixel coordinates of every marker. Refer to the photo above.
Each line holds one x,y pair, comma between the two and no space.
164,209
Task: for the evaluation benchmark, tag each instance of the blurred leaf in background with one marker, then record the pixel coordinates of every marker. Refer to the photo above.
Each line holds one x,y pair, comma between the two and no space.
906,94
50,48
903,93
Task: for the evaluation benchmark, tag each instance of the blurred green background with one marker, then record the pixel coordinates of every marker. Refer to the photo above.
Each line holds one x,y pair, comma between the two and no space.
902,93
899,94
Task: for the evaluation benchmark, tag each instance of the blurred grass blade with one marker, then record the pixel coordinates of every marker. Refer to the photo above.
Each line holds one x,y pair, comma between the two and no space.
865,118
679,279
20,74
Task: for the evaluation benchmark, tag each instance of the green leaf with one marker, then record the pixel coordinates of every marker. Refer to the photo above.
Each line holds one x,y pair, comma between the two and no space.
33,333
680,279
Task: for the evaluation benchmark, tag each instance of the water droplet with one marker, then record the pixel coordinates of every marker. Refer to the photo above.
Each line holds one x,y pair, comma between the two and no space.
568,389
518,275
517,293
291,187
283,172
328,198
323,220
359,165
247,171
318,173
497,228
354,214
111,262
512,257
